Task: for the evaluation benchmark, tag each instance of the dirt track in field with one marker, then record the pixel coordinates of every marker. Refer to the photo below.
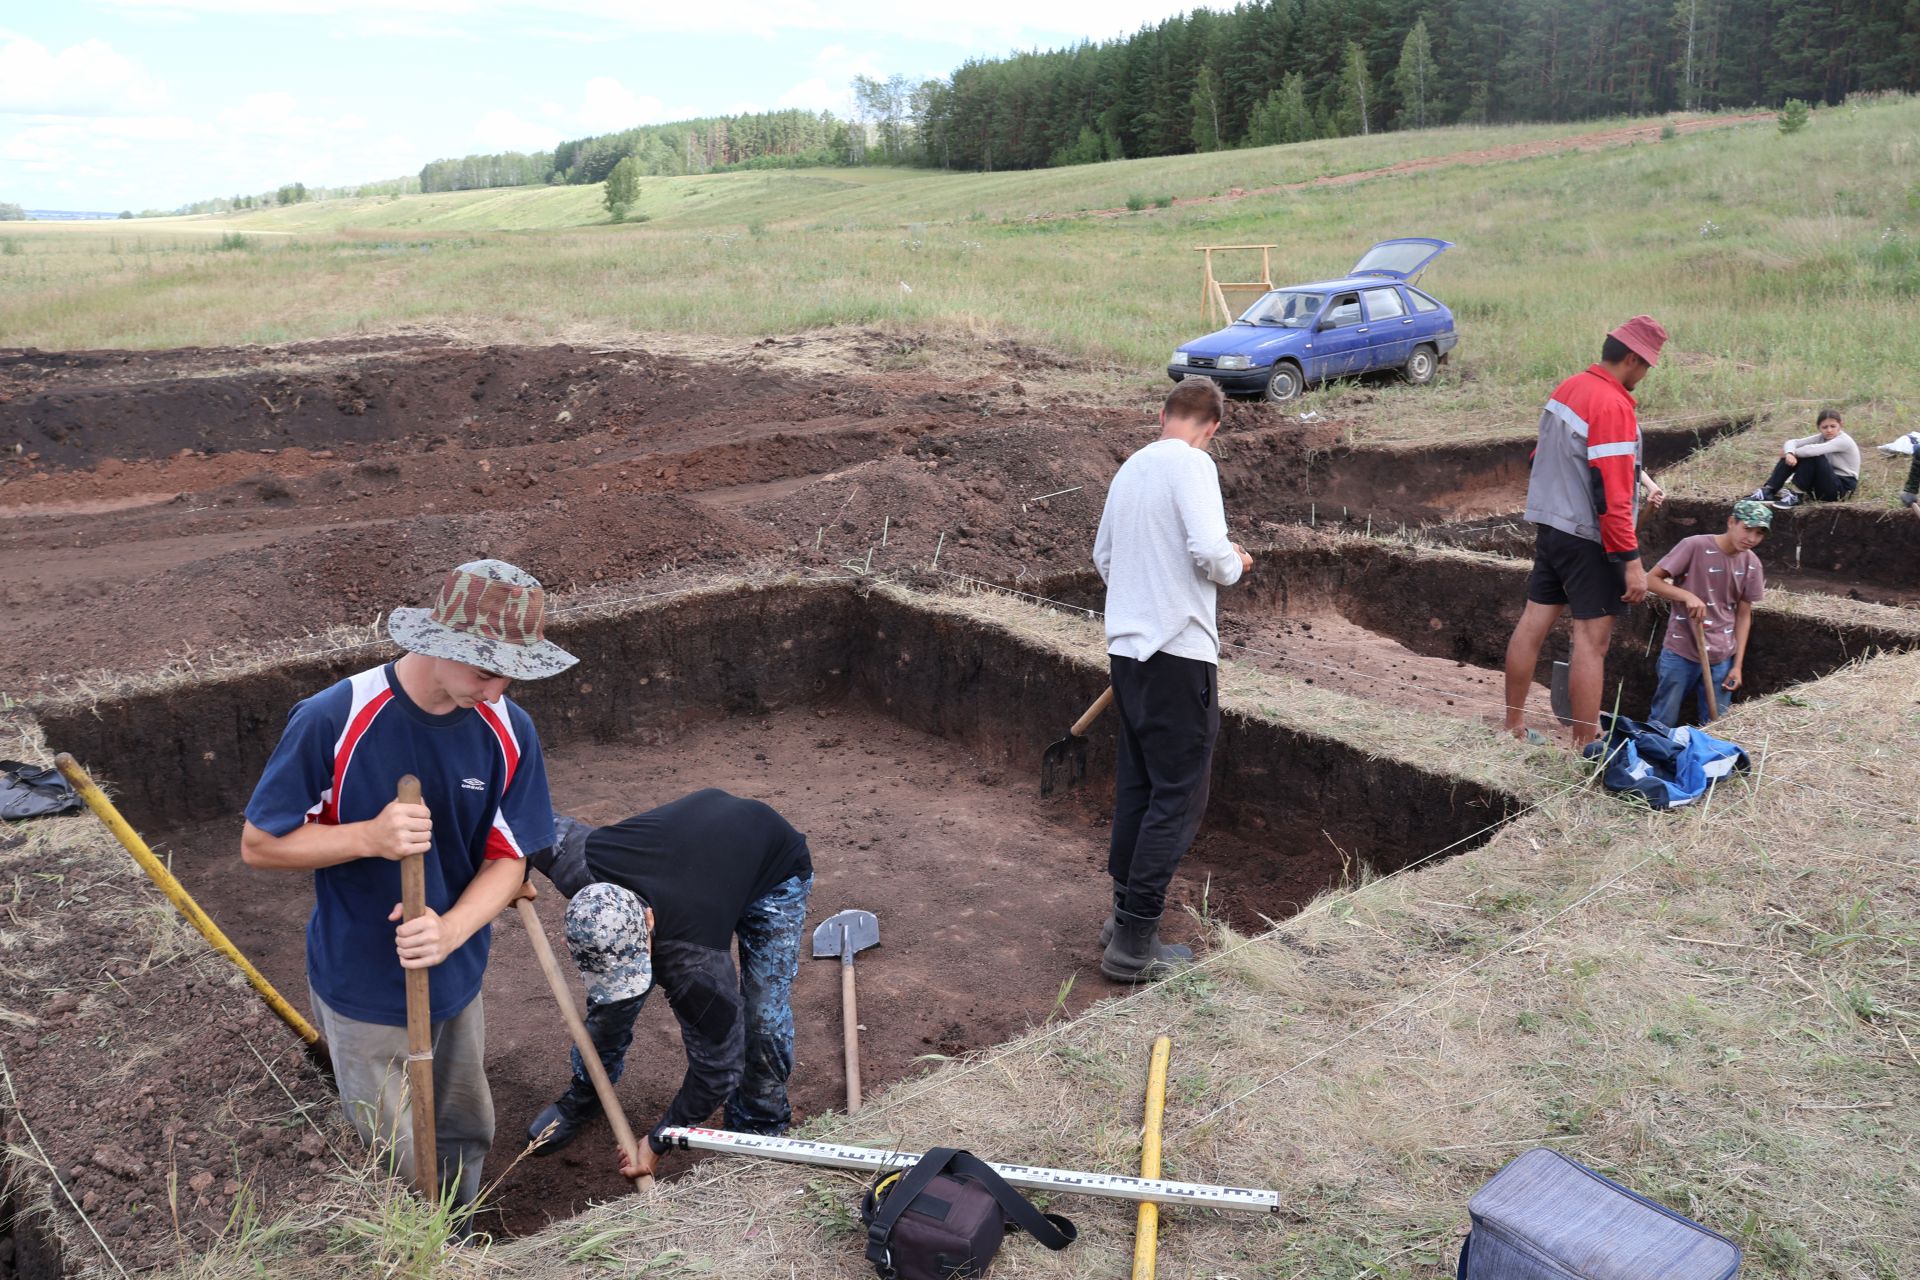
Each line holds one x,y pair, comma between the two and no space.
1596,141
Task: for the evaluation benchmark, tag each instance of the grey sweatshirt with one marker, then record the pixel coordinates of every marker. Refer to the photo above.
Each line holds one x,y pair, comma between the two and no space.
1161,549
1841,451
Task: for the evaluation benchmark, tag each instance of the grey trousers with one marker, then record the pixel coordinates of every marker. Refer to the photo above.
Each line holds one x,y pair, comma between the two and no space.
370,1063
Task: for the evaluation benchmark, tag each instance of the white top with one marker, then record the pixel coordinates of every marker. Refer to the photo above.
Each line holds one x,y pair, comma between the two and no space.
1841,451
1161,548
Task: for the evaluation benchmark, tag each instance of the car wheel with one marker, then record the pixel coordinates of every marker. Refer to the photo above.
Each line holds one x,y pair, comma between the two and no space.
1285,384
1420,366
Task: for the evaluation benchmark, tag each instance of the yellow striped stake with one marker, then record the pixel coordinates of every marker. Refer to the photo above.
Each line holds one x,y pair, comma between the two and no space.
1146,1231
177,894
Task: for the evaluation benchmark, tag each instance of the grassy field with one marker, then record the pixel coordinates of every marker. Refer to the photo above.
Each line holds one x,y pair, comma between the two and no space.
1788,268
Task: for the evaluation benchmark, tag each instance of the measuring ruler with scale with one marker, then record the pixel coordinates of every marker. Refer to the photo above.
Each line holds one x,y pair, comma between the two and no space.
833,1155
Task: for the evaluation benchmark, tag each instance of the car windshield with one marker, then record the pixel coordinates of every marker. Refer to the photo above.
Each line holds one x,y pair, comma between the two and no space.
1288,310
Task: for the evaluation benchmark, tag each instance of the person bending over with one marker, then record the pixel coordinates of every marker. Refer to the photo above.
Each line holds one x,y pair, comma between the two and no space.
665,894
1714,579
325,805
1583,494
1824,466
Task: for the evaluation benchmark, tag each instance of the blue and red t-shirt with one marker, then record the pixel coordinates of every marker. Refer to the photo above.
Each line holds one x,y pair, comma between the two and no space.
343,753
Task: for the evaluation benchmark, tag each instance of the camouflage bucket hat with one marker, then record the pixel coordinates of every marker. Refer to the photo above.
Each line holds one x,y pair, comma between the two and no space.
490,615
607,934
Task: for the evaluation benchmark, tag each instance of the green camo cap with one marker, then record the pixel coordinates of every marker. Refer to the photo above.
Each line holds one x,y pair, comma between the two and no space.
1754,515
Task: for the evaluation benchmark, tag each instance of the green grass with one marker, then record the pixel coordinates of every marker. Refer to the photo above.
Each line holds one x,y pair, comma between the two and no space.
1786,268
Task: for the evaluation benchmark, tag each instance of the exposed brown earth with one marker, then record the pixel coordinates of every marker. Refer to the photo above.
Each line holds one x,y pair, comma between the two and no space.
168,503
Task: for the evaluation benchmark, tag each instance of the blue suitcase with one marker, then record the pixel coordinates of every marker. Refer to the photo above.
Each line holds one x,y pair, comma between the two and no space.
1544,1217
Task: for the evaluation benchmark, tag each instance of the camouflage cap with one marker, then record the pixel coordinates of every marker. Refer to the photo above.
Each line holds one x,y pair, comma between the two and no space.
488,614
607,934
1753,514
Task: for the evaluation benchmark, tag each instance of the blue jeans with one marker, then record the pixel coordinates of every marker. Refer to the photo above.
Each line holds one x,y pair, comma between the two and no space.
769,931
1674,677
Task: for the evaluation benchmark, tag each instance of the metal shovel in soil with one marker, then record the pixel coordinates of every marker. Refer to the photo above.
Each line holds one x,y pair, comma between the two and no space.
1071,751
1560,694
842,935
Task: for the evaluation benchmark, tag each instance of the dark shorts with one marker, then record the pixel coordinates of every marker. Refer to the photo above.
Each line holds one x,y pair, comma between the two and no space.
1575,572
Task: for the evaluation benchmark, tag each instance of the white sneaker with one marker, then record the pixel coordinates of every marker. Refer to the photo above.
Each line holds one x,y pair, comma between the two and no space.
1788,500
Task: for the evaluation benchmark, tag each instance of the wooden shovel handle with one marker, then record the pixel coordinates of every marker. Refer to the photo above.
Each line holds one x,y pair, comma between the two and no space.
1706,670
582,1039
850,1027
1092,713
413,902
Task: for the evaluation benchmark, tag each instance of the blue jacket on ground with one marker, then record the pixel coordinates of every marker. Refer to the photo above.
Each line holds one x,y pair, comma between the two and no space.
1668,768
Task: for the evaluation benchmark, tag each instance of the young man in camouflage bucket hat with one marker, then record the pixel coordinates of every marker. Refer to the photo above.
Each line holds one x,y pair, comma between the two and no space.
718,869
325,804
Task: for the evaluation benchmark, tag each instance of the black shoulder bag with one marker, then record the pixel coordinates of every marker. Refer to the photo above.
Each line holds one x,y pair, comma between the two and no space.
945,1218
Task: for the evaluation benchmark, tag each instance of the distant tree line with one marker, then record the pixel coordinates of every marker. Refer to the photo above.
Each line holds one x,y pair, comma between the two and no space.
1285,70
289,193
505,169
12,212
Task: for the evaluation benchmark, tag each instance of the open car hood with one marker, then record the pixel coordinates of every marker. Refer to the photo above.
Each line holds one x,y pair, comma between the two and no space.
1402,259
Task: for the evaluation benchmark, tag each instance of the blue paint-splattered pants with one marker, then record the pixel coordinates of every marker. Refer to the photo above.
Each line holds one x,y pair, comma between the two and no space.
770,932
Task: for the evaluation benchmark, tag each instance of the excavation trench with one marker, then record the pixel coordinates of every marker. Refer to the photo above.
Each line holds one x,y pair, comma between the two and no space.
1835,549
901,733
1387,487
1427,630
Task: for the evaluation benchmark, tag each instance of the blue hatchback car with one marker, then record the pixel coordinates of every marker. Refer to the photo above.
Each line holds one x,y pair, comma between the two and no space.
1372,318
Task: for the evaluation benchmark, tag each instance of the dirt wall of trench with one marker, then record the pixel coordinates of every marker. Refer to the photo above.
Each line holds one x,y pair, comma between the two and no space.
1445,606
1275,787
1420,485
1870,544
189,754
186,754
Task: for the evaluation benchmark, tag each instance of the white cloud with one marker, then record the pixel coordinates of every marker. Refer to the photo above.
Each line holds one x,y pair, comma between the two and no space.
87,79
275,113
831,87
606,104
817,94
504,131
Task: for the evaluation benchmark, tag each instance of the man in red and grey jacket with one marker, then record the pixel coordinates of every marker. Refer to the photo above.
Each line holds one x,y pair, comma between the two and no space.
1584,496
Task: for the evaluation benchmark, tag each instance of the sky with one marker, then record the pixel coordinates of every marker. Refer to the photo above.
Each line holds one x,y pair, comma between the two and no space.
139,104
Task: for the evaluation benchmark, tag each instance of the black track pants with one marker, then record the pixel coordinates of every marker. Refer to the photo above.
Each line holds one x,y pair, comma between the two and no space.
1814,474
1169,717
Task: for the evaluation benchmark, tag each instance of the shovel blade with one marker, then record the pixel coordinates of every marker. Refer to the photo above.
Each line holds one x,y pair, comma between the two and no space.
1070,753
1560,696
845,933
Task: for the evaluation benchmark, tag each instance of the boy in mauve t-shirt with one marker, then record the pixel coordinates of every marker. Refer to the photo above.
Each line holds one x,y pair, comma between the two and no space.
1714,579
326,804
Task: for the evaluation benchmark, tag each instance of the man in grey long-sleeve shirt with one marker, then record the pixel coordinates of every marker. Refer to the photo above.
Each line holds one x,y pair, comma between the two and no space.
1162,549
1824,466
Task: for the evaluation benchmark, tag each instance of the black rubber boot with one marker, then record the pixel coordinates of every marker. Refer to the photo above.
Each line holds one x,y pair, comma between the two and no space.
1136,953
1119,899
565,1114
